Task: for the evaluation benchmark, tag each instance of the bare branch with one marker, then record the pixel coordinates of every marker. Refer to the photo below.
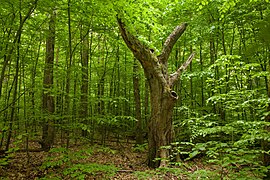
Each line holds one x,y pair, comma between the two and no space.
174,77
138,49
142,53
170,41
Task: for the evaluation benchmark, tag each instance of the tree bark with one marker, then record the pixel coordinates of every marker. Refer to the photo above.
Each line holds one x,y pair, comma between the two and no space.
162,97
48,100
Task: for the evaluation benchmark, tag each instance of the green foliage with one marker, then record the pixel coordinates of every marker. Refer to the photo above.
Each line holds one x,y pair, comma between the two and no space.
140,147
240,151
79,171
10,154
68,162
61,157
231,161
236,147
106,150
204,174
55,162
159,173
4,161
230,138
174,171
144,174
223,104
239,161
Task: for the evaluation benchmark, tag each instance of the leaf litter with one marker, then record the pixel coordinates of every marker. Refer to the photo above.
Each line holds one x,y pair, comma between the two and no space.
130,164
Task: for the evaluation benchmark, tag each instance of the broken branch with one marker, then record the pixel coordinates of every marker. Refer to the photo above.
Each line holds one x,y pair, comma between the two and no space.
134,44
176,75
170,41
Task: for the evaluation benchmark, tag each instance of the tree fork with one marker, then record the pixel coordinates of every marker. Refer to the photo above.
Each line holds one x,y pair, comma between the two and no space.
162,97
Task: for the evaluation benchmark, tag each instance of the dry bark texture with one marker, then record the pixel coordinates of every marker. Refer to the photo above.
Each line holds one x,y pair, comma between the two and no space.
162,97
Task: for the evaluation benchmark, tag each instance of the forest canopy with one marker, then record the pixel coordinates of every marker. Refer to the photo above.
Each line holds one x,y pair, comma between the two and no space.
92,72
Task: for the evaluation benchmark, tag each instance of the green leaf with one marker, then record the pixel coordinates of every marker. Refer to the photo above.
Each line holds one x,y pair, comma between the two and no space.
193,154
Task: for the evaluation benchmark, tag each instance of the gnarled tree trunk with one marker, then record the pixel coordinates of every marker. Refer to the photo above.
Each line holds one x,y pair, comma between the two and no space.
163,98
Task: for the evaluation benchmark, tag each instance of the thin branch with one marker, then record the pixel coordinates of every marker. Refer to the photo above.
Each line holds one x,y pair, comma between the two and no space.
125,170
174,77
18,33
170,41
12,103
75,47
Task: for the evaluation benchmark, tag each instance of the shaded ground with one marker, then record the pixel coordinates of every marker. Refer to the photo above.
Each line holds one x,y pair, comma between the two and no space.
114,161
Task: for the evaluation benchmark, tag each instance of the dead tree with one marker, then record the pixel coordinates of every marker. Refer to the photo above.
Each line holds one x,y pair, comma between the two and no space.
162,96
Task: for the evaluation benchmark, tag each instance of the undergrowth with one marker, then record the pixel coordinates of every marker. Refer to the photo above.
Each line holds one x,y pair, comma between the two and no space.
67,164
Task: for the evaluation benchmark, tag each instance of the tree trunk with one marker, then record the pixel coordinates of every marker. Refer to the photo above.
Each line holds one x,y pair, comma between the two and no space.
160,129
162,97
48,100
13,107
68,76
85,79
137,97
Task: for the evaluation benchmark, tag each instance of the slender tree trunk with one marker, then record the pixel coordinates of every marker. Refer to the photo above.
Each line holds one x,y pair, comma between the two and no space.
137,97
202,79
58,105
100,95
25,119
7,57
68,78
223,38
192,96
101,90
84,87
162,97
33,84
48,99
14,99
92,122
5,112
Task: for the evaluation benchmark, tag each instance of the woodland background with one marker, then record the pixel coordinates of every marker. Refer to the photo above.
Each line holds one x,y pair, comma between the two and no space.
92,90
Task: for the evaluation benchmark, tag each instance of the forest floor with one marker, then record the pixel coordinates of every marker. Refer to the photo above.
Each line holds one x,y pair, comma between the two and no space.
113,161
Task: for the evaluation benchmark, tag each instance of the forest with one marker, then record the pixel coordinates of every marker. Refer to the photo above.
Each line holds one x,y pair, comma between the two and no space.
135,89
